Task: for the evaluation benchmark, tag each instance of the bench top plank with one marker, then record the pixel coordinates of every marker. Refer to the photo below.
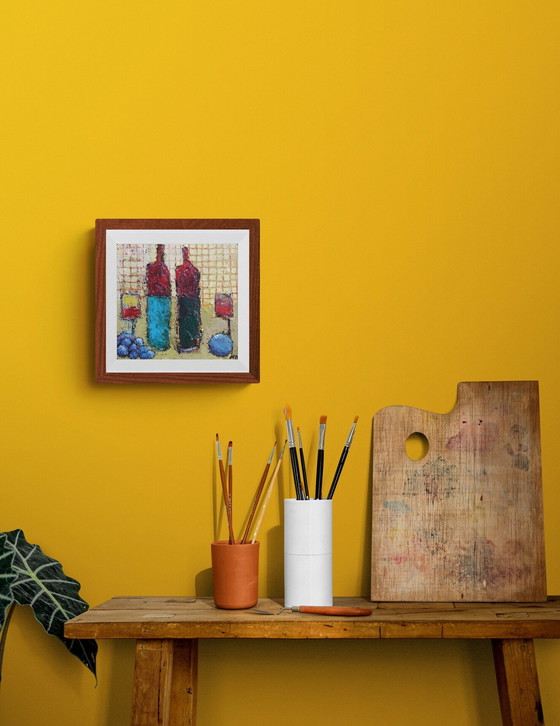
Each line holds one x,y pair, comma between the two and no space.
190,617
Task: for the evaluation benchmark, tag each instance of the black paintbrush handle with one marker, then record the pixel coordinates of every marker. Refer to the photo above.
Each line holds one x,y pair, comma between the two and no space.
319,479
304,474
338,471
295,471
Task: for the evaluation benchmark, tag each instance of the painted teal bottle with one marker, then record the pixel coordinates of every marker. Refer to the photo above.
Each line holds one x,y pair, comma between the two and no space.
158,281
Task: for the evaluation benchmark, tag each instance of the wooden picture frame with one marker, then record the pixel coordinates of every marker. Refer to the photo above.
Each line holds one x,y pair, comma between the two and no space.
177,301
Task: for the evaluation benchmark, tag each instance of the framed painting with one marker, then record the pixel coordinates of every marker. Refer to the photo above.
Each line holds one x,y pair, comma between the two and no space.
177,300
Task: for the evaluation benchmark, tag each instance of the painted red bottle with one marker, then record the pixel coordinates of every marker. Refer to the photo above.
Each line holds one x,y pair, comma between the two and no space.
158,282
189,323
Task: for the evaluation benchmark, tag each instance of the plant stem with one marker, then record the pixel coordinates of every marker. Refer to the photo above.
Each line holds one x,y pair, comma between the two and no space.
4,634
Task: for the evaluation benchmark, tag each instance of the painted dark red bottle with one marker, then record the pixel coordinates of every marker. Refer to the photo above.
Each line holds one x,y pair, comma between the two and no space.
158,283
189,323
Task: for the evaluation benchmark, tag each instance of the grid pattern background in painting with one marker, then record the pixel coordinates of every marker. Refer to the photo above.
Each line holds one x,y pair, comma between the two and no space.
217,264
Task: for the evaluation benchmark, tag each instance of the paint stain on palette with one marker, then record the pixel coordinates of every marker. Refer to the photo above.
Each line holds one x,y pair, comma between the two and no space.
435,480
476,436
397,507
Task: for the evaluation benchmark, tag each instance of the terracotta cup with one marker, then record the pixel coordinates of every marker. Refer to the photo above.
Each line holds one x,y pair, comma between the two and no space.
235,574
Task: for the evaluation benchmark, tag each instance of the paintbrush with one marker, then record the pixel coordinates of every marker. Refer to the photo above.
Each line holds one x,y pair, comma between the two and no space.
268,493
342,459
258,495
293,453
230,485
320,457
224,490
320,610
303,470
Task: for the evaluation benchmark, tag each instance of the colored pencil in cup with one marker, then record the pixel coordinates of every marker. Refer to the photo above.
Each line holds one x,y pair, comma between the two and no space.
320,458
224,490
258,495
342,459
293,453
268,493
303,469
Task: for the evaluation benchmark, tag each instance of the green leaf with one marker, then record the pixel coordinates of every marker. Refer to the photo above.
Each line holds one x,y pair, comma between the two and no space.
41,583
7,576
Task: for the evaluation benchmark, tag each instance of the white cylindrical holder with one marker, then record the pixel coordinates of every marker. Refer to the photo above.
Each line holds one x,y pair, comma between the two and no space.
307,552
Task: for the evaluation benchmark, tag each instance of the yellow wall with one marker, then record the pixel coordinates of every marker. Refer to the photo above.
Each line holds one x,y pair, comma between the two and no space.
403,159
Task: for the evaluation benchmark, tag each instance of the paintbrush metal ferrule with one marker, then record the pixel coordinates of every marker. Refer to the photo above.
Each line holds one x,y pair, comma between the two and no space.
350,435
218,448
322,432
271,454
289,426
290,433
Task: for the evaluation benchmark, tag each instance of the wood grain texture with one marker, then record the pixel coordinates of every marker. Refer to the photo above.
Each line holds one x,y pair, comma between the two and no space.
466,521
184,682
518,683
101,373
165,675
176,618
152,667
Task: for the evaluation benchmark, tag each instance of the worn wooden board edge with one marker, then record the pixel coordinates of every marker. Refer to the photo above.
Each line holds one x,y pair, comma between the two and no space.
201,619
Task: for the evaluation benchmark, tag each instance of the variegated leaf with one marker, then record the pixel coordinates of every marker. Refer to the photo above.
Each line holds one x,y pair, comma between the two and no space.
41,583
7,576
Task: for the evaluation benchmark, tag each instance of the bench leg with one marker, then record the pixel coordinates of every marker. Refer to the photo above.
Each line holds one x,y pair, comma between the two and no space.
165,673
518,683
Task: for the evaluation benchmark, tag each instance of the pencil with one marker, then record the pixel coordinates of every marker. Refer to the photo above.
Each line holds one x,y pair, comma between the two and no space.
342,459
268,493
303,470
224,490
293,453
320,457
257,495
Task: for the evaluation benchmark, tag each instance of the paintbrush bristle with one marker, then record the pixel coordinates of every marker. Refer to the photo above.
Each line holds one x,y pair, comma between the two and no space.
323,419
356,419
288,412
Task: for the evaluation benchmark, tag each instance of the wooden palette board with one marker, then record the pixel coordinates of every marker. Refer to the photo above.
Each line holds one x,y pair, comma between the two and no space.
464,523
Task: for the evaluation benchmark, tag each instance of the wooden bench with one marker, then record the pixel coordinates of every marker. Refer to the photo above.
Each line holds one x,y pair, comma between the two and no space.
167,630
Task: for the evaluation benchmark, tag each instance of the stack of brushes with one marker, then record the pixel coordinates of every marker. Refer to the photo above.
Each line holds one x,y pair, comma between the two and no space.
300,478
259,503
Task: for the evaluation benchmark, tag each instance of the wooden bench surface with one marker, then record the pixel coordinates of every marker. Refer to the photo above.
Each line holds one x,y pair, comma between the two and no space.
189,617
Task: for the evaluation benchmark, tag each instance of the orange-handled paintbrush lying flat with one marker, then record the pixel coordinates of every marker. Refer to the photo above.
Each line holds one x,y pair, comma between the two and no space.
347,612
